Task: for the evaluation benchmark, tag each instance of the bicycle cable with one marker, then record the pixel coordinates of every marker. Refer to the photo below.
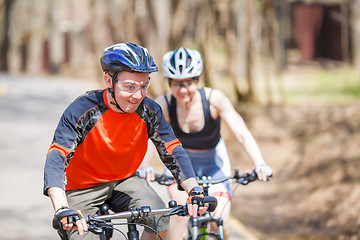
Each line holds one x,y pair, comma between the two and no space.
157,226
228,200
120,232
172,211
137,224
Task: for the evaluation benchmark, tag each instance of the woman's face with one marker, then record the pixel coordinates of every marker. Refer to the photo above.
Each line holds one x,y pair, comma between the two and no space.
183,89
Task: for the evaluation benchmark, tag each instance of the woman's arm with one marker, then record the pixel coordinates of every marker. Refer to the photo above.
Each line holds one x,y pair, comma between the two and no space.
237,125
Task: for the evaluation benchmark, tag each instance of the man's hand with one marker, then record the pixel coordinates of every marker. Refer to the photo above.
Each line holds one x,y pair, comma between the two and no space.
68,222
195,206
195,202
58,199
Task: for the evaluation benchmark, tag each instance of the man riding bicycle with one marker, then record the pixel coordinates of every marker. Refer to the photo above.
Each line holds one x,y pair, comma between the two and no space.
101,140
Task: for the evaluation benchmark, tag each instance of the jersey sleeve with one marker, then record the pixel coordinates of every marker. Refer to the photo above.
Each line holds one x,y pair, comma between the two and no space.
168,146
55,164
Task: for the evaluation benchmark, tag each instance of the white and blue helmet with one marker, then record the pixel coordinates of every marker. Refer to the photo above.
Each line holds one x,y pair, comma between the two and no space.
127,57
182,63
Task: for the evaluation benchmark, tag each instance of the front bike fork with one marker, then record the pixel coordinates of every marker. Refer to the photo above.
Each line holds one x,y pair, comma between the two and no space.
195,228
220,224
200,228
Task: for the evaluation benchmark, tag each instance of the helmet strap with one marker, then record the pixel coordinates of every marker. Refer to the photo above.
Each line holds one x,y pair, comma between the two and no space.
112,92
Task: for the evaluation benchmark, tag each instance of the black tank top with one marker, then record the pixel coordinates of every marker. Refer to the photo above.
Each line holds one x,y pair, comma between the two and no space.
206,138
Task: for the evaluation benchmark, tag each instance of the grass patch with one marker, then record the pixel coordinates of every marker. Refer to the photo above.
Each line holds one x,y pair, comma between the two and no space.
328,86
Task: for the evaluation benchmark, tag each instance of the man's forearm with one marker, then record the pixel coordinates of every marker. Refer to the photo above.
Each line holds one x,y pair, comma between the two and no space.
58,197
189,183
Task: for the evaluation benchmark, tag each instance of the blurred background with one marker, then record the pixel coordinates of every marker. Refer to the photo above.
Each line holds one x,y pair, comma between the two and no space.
291,68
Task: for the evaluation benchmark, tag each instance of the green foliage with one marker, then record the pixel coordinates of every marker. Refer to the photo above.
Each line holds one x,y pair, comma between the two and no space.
327,85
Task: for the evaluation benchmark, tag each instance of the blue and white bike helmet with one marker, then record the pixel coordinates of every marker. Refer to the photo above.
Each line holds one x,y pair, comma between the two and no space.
182,63
127,57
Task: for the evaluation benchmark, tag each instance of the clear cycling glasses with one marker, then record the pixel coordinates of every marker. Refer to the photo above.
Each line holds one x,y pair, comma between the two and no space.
184,83
133,87
130,86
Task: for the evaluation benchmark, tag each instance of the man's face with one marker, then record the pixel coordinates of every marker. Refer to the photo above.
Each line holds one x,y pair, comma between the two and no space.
131,89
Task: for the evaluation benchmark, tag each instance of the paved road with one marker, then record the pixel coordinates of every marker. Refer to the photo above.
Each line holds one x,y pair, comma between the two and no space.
30,108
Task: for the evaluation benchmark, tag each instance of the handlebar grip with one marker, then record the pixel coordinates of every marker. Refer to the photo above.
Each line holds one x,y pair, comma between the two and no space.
211,201
182,210
57,217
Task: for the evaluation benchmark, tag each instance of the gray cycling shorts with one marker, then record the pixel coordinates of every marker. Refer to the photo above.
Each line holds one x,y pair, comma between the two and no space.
133,192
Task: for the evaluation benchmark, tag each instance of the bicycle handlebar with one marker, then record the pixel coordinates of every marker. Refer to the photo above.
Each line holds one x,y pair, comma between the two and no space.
142,212
243,179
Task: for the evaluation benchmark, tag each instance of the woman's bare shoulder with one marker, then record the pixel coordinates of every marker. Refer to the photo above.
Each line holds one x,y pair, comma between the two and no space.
161,100
213,94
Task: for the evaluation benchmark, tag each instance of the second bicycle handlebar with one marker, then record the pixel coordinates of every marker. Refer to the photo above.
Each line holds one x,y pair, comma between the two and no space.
243,179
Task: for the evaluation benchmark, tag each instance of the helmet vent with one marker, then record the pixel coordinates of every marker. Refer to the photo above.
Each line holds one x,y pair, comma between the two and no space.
188,62
172,61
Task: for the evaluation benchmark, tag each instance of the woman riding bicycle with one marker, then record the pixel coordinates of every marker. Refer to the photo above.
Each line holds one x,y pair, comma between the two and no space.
195,116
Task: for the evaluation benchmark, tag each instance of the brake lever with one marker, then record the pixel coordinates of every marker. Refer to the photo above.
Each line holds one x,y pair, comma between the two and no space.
242,181
180,210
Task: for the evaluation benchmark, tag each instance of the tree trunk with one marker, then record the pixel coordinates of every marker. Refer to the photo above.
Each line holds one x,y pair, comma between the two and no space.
37,35
355,23
4,37
161,10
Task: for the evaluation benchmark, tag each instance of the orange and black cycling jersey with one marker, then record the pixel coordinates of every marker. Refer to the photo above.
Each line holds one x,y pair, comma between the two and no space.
93,144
